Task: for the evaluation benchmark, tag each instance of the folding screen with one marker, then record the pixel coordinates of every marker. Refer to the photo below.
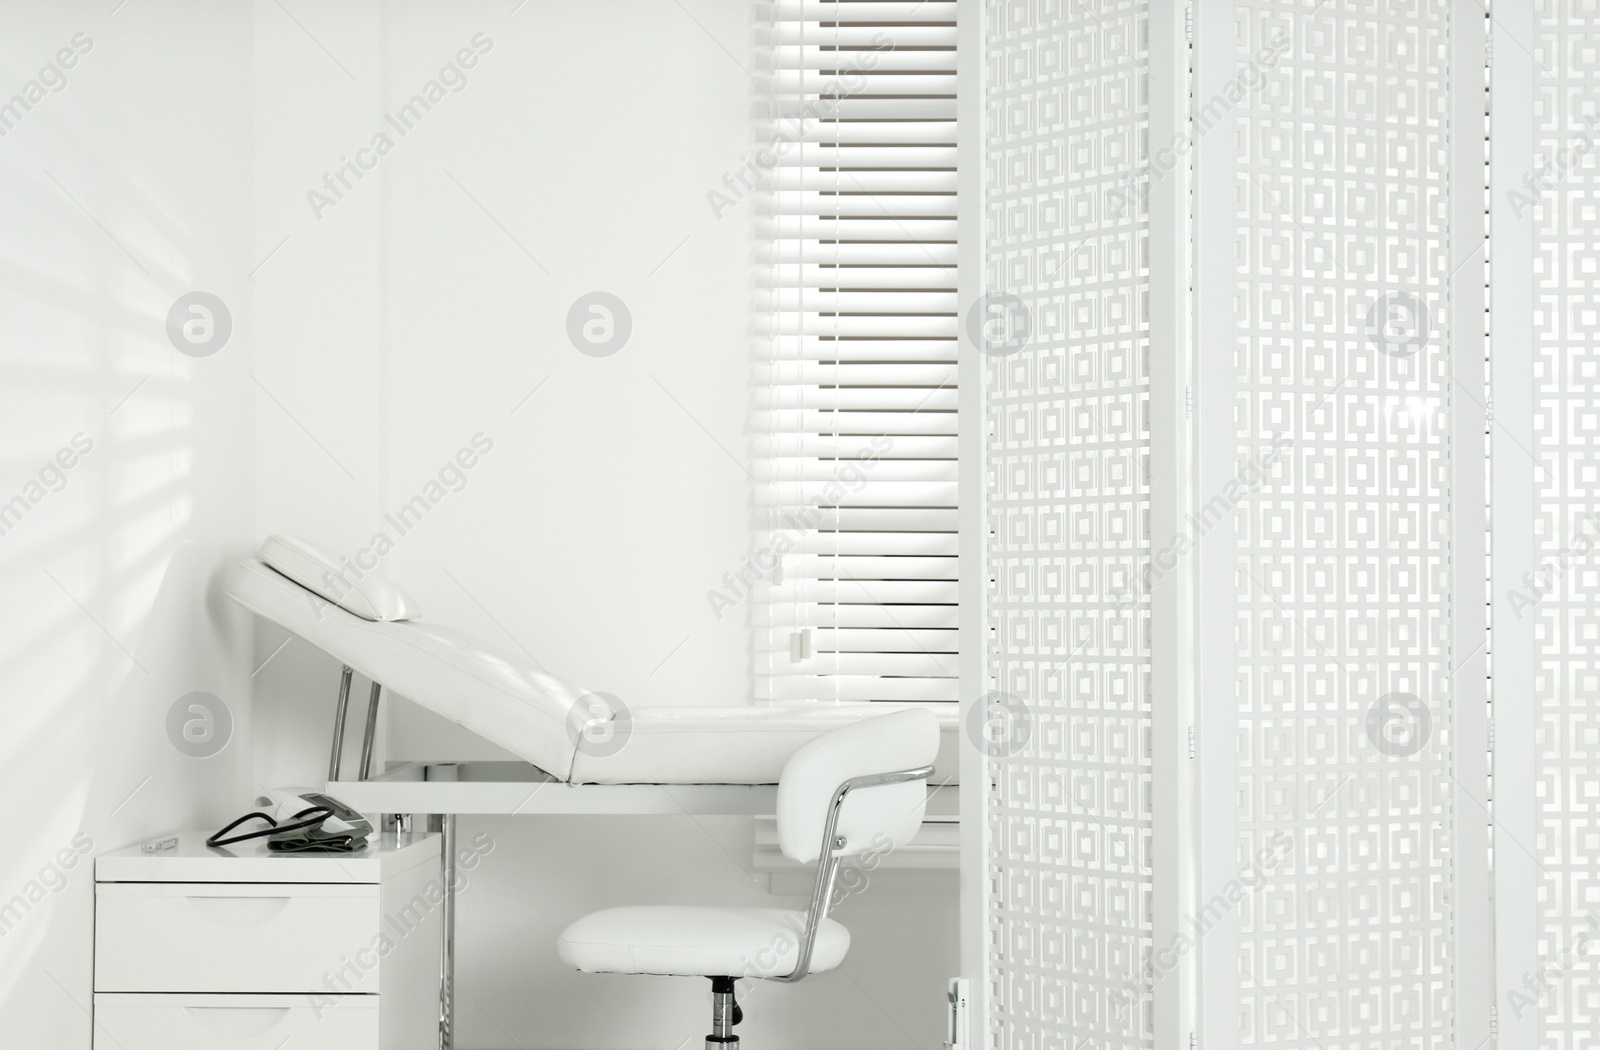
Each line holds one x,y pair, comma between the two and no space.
1238,522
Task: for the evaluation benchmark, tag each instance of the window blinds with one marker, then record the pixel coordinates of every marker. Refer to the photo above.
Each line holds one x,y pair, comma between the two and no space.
862,460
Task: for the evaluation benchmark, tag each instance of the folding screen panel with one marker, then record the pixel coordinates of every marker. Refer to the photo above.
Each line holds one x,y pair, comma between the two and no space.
1064,331
1346,580
1558,191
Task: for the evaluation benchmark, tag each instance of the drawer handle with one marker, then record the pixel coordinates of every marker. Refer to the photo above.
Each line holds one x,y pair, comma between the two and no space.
238,1022
238,913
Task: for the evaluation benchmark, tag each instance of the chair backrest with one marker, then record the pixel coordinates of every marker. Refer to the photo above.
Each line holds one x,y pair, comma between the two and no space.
873,818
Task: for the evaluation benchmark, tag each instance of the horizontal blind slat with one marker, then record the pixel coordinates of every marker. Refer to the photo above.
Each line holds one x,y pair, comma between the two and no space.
893,424
786,618
791,476
893,664
787,449
934,496
817,348
825,82
788,181
827,593
904,231
807,377
884,640
853,203
883,33
850,327
867,567
872,543
862,105
894,519
830,160
851,257
859,10
858,687
863,55
912,400
868,300
802,277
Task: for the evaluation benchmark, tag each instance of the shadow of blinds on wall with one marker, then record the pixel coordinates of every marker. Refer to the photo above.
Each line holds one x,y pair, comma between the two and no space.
1070,876
860,455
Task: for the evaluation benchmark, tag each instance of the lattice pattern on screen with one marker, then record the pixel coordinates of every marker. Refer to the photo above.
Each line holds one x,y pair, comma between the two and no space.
1564,597
1344,581
1069,813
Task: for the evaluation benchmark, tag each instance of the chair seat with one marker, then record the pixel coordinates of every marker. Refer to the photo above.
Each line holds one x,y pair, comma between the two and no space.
698,942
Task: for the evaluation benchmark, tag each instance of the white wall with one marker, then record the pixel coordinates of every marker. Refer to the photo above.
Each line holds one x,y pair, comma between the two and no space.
320,459
577,159
125,186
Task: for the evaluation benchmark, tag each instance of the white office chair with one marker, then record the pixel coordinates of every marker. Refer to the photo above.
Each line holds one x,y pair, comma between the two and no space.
857,789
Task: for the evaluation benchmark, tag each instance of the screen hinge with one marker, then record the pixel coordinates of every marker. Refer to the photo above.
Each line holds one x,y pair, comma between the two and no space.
1491,734
956,1034
1191,741
1188,22
1188,402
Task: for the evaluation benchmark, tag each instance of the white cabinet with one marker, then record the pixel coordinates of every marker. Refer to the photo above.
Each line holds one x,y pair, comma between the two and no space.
240,948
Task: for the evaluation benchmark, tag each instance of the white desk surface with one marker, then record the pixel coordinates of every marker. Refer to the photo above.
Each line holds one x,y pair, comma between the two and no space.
500,788
385,856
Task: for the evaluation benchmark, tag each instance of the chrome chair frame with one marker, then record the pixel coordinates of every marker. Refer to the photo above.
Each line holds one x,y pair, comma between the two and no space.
828,862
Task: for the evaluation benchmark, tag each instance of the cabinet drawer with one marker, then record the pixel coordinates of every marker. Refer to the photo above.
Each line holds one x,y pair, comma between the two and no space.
235,1022
236,937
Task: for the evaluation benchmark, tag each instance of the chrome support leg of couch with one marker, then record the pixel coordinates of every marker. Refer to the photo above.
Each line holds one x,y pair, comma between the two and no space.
339,712
372,731
445,824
